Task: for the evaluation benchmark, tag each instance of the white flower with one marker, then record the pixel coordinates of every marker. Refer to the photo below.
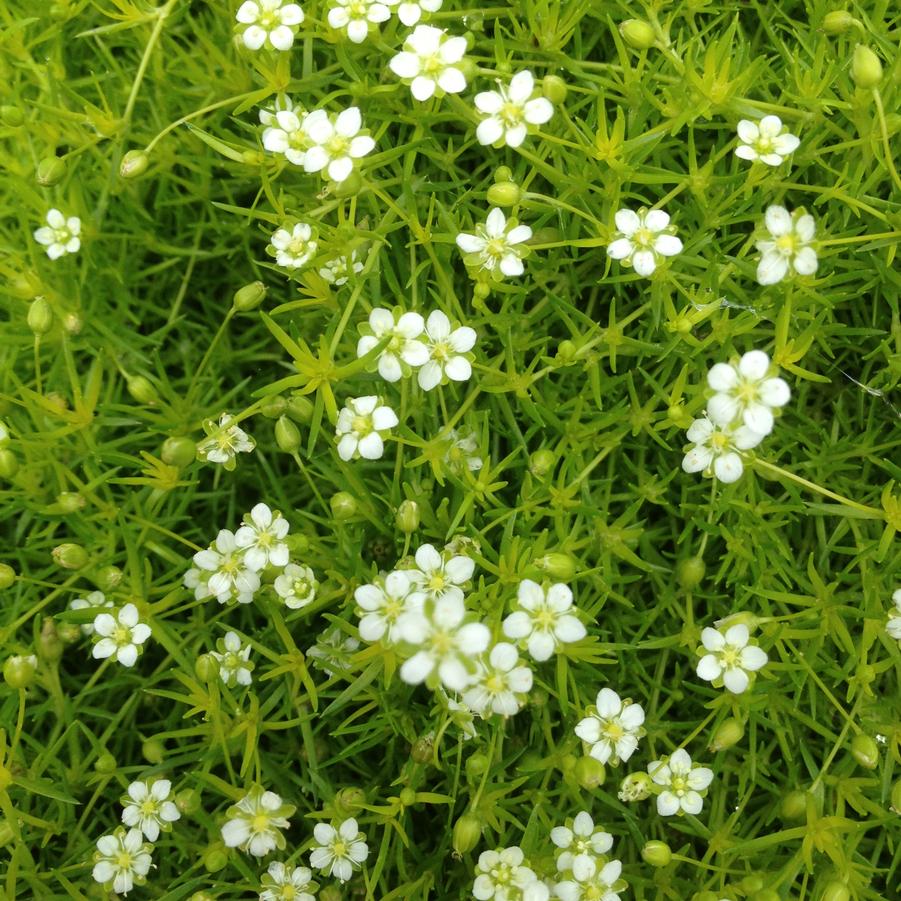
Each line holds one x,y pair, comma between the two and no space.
767,140
730,658
333,649
122,860
603,885
337,271
60,235
445,349
682,781
338,852
788,248
336,142
716,449
147,808
445,645
296,586
429,62
383,603
893,626
225,441
410,11
544,622
362,426
613,728
196,580
262,538
269,21
643,240
500,685
233,659
510,110
356,15
582,847
230,578
281,883
94,599
503,876
402,330
254,823
461,452
746,390
294,248
285,134
495,245
439,576
120,633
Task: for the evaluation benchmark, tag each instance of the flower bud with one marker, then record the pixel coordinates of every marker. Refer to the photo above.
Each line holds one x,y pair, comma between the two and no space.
274,406
794,805
287,435
589,772
466,834
300,408
49,645
69,556
105,764
541,462
505,194
838,21
690,572
502,175
6,833
51,171
657,854
476,764
566,351
866,69
68,633
407,517
133,164
637,34
836,891
142,390
153,751
188,801
896,796
554,88
70,502
40,316
423,749
249,297
178,451
350,186
481,290
72,323
202,896
751,883
559,566
766,894
18,671
407,796
12,116
106,578
331,893
729,733
7,576
206,667
349,801
865,751
215,858
344,506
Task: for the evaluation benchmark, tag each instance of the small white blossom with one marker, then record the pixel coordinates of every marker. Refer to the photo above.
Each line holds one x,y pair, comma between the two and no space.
893,626
147,808
336,142
255,822
603,885
684,784
582,847
225,441
503,875
262,538
446,348
120,633
440,575
746,390
544,621
767,140
355,16
612,728
643,240
296,586
233,658
337,271
716,449
94,599
510,110
383,603
429,62
294,248
271,22
500,684
284,133
122,860
729,658
787,249
410,11
229,577
60,235
403,351
333,650
461,452
284,883
362,426
338,852
196,580
496,245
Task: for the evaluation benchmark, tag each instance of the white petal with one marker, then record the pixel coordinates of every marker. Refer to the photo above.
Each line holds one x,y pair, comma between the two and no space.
620,249
656,220
254,37
371,447
489,102
422,88
728,468
668,245
736,680
627,222
538,111
417,668
775,392
488,132
429,376
452,81
349,122
644,263
405,65
805,227
772,268
805,261
748,131
667,804
753,658
281,37
708,668
778,221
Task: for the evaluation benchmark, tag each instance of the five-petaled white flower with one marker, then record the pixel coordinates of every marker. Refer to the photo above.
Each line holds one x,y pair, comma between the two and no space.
500,684
604,884
544,621
767,140
355,16
788,248
496,246
296,586
613,728
230,578
294,248
684,784
382,604
403,348
339,851
122,860
410,11
643,240
147,808
893,626
60,235
271,22
746,390
716,449
439,576
503,874
336,142
338,270
93,599
225,441
284,883
362,426
429,61
234,663
581,847
255,822
120,633
446,348
262,538
728,658
510,110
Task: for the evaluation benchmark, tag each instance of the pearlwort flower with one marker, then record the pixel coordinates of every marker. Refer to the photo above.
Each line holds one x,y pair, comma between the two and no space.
495,246
403,350
446,348
429,62
284,883
120,633
440,575
893,626
788,249
544,620
122,860
500,685
60,235
612,728
461,453
362,426
643,240
225,441
339,851
504,876
603,885
728,658
337,271
510,110
582,847
262,538
296,586
355,16
295,248
684,784
284,132
233,658
94,599
410,11
336,142
716,449
383,602
147,808
230,578
254,823
767,140
271,22
746,390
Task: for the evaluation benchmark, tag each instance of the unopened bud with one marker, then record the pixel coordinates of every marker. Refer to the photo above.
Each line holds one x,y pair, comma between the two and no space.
202,896
866,69
344,506
690,572
70,501
765,894
350,186
502,175
188,801
49,645
751,883
40,316
407,517
70,556
18,671
407,796
838,21
638,34
215,858
7,576
836,891
178,451
794,805
557,565
51,171
287,435
554,88
105,764
729,733
273,407
12,116
657,854
505,194
331,893
476,765
206,667
896,796
589,773
133,164
300,408
153,751
349,801
142,390
249,297
541,462
865,751
466,834
423,749
106,578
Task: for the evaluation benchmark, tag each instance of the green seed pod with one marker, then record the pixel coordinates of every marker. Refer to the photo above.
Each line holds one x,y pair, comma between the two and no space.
287,435
106,578
249,297
481,290
349,801
105,764
407,796
68,633
18,671
896,796
215,858
153,751
476,765
502,175
300,408
134,164
589,772
49,645
751,883
541,462
178,451
836,891
142,390
690,572
866,69
407,517
51,171
70,556
423,749
657,854
561,567
7,576
70,501
206,667
838,21
188,801
566,351
794,805
637,34
466,834
39,316
12,116
729,732
344,506
554,88
6,833
273,407
865,751
505,194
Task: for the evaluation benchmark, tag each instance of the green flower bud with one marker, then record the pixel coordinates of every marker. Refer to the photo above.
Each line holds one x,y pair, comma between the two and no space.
407,517
865,751
7,576
466,834
188,801
349,801
476,765
249,297
70,501
896,796
142,390
178,451
344,506
566,351
51,171
9,463
690,572
300,408
39,316
274,406
133,164
729,733
836,891
423,749
589,772
657,854
68,633
407,796
331,893
866,69
6,833
153,751
287,435
766,894
838,21
12,116
503,175
554,88
206,667
106,578
350,186
505,194
215,858
558,566
70,556
751,883
794,805
105,764
49,645
638,34
541,462
18,671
